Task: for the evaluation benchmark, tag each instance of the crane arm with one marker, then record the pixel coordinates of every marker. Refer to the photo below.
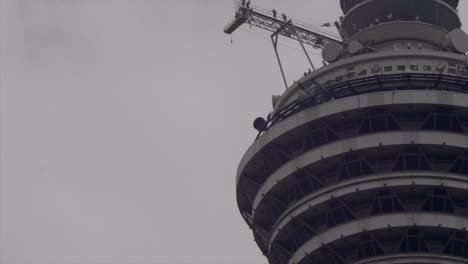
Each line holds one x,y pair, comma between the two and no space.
267,20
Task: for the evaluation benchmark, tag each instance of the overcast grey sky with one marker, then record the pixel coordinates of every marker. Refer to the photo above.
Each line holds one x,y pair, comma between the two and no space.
122,124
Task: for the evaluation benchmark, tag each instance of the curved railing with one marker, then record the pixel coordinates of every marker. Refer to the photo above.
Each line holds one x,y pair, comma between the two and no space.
317,94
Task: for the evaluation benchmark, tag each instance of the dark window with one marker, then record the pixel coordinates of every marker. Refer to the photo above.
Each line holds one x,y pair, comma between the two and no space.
320,135
413,242
412,159
452,64
457,245
328,256
443,119
354,166
386,202
401,68
427,68
414,67
388,68
338,214
461,201
362,72
301,233
438,201
376,121
461,164
350,75
368,247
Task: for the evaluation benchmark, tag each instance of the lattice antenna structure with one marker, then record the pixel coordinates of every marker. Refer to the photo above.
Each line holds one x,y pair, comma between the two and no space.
305,34
273,22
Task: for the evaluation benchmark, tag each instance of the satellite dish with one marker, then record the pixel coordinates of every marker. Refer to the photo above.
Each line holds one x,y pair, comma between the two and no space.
354,47
260,124
458,40
376,68
332,52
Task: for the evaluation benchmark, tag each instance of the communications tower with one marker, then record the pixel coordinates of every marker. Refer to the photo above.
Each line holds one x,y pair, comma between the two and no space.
365,160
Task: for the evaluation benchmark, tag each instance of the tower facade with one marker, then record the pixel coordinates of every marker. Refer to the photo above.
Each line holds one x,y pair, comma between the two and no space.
365,160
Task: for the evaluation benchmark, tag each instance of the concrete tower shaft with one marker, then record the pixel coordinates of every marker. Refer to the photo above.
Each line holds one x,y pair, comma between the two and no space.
365,160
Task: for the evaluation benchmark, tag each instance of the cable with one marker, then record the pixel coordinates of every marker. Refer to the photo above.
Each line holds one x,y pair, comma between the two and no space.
280,43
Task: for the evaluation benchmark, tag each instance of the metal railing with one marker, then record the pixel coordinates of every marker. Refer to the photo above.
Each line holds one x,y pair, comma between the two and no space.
315,95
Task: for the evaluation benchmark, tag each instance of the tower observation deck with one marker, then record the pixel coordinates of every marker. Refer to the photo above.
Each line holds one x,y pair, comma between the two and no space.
365,160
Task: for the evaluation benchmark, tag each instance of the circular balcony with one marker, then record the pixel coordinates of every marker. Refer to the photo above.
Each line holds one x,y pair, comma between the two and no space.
385,235
374,72
307,162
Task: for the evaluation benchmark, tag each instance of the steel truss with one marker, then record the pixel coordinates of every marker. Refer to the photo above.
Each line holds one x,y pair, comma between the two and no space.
264,19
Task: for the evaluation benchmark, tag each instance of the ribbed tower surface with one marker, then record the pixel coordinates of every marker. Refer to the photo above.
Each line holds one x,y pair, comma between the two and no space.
366,159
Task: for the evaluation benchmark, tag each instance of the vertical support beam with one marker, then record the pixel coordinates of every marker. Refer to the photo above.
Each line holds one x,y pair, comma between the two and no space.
343,33
293,29
274,39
